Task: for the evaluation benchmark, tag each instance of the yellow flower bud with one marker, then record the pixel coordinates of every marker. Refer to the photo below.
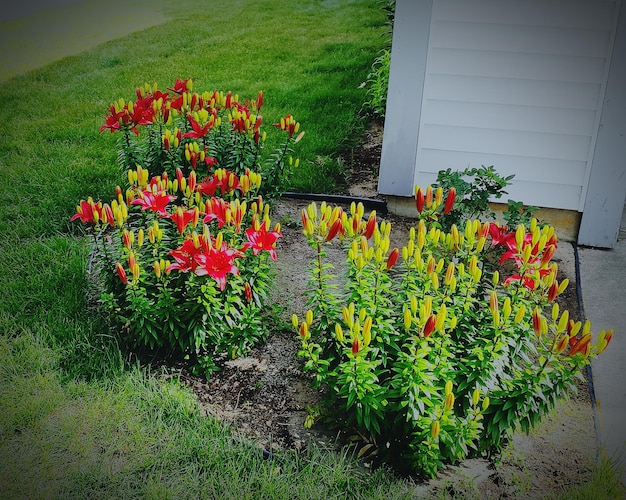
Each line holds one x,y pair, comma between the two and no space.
407,319
449,403
309,317
434,280
475,397
294,321
448,387
520,232
434,429
367,331
449,273
339,333
485,403
555,311
519,315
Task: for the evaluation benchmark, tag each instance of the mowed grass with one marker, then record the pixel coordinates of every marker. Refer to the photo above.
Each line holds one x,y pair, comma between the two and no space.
77,418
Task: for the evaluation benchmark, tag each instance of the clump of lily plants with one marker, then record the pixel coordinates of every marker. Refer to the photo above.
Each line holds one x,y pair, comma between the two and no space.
183,251
441,349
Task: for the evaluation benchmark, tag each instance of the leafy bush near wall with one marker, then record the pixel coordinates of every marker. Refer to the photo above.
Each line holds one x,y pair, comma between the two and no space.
378,79
441,349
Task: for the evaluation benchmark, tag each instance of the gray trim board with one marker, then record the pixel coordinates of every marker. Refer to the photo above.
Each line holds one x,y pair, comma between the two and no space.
606,191
404,98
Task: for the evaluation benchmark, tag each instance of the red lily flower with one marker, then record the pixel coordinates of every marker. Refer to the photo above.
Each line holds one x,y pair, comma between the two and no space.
155,202
261,239
142,113
217,263
198,131
185,257
216,208
113,120
90,212
180,86
223,180
183,217
500,235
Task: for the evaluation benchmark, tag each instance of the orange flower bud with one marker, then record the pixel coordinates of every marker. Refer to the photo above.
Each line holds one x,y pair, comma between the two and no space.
537,321
449,201
553,291
547,255
429,327
334,229
561,343
304,330
429,196
157,268
371,225
355,346
419,200
392,258
121,273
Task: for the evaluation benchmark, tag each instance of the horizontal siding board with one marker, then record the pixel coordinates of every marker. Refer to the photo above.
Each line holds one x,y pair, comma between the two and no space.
509,117
520,38
564,13
517,65
481,89
523,167
473,140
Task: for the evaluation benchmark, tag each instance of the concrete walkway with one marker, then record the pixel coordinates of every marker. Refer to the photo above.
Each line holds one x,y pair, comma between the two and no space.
34,33
603,283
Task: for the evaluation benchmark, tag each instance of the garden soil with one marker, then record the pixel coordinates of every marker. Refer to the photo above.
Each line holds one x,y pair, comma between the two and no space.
265,396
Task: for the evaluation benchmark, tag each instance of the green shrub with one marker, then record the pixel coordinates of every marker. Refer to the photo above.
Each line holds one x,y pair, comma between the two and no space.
183,256
378,78
440,350
475,188
378,84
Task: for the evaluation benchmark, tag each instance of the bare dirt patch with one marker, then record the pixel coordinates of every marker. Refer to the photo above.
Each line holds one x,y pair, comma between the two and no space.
265,396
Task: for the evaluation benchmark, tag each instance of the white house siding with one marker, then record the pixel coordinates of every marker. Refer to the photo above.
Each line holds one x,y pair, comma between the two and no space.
518,85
